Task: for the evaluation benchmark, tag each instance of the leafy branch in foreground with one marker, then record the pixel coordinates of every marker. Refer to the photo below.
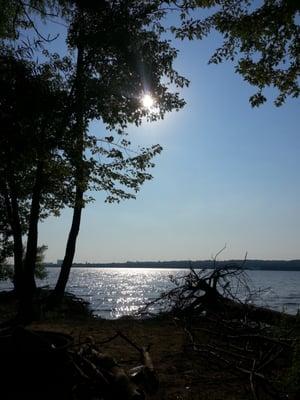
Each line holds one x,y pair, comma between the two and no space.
263,38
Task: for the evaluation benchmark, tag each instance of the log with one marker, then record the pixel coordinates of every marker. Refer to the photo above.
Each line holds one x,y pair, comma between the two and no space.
145,374
123,387
120,383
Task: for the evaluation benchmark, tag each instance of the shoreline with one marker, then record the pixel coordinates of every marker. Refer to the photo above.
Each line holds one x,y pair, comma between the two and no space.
248,265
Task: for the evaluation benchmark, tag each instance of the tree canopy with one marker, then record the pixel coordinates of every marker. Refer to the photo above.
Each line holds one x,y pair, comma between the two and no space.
261,37
116,55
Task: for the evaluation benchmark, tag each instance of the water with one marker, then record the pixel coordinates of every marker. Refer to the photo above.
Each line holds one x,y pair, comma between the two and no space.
113,292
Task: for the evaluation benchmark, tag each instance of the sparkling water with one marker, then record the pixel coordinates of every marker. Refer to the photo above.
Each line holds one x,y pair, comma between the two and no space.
114,292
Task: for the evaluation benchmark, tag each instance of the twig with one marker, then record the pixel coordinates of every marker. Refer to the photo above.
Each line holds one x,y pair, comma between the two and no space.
251,378
48,40
92,369
270,360
279,341
108,339
140,350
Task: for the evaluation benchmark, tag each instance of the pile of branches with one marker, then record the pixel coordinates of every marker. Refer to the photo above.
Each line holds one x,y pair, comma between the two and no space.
252,352
224,290
202,291
43,364
250,342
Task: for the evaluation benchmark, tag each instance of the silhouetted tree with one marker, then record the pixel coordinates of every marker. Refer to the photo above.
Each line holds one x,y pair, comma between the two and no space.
120,55
33,178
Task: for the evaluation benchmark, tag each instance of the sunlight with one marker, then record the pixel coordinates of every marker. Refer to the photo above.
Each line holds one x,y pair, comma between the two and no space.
147,101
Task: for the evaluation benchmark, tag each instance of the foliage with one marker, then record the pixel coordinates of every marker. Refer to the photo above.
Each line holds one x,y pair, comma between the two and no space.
40,270
32,99
18,15
123,57
49,157
7,272
5,232
263,37
34,174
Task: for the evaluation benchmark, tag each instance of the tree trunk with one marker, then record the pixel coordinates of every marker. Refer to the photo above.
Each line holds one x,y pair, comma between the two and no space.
70,248
80,180
12,209
32,238
26,306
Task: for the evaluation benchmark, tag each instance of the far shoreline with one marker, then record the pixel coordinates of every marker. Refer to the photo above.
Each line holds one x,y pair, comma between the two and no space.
249,265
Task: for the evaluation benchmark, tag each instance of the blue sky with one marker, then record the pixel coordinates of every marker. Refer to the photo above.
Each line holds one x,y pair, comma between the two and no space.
228,174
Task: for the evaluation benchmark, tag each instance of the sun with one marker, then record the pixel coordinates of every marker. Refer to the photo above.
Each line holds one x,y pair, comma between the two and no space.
147,101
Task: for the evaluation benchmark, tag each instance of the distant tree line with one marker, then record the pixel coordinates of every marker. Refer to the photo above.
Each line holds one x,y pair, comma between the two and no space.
266,265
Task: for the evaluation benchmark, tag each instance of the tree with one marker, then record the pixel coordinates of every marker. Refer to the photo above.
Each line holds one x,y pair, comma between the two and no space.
263,37
123,39
32,168
119,55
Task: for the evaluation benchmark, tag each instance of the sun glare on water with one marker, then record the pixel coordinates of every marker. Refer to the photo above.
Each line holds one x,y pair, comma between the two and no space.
147,101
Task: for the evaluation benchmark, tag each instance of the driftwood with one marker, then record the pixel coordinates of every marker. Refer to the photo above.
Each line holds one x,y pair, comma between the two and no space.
111,377
145,374
47,365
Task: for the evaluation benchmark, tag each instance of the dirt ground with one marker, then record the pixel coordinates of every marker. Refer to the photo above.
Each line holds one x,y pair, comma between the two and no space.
183,373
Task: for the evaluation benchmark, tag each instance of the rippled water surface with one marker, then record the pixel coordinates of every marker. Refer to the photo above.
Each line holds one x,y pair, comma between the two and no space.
113,292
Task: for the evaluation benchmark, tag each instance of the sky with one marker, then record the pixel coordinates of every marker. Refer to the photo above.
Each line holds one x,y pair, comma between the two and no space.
228,174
